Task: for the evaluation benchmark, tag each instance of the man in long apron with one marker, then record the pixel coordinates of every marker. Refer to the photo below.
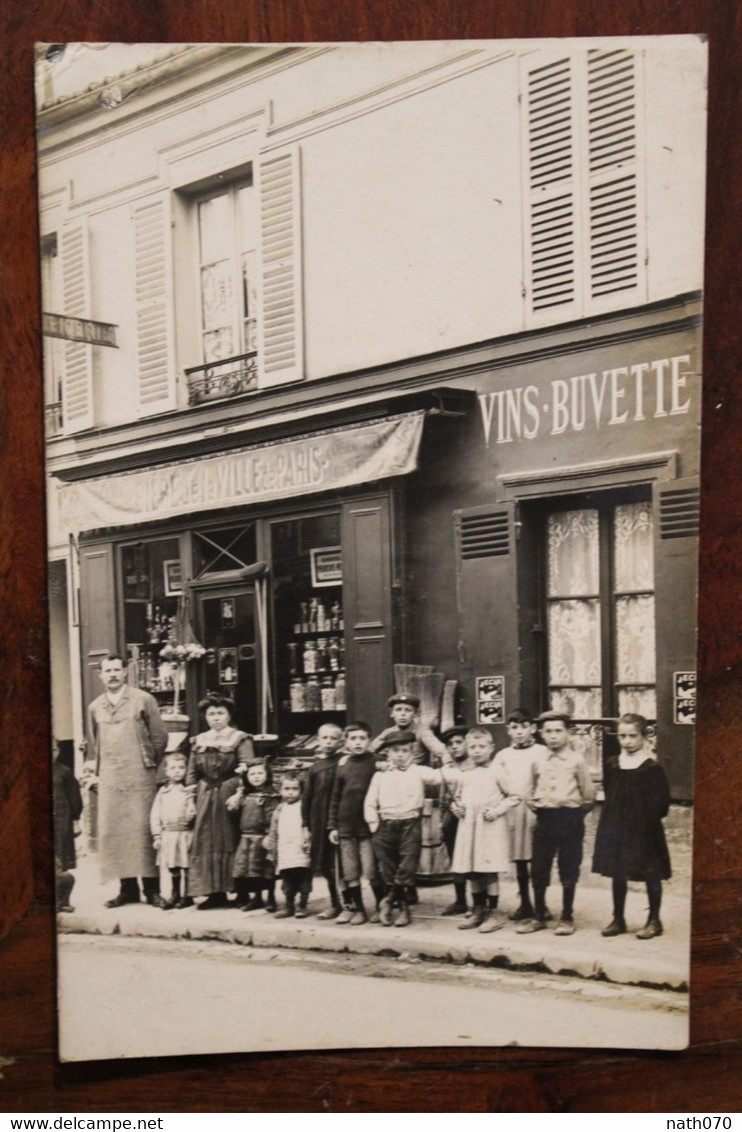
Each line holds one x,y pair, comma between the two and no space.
127,740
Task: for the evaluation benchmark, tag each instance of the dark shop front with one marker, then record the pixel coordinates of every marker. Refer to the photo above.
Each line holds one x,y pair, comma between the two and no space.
517,520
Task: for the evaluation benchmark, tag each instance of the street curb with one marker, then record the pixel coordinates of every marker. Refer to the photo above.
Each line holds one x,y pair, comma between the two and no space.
542,952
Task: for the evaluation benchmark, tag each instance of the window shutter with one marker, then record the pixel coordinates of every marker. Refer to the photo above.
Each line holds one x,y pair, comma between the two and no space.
614,266
676,549
486,580
77,381
367,602
98,634
553,206
155,376
281,353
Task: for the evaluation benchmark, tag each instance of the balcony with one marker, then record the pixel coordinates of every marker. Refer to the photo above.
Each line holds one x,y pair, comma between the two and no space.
228,377
53,419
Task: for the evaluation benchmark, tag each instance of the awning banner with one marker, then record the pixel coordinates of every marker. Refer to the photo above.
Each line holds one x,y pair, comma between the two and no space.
321,461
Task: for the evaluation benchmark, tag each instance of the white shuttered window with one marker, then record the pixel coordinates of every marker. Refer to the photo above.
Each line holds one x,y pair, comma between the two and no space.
155,375
585,238
281,355
77,378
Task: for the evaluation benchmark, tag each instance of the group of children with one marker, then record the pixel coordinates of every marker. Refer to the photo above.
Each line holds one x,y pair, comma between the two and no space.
219,825
356,814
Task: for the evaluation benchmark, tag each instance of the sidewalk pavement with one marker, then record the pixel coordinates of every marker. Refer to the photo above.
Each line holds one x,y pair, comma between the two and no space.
662,962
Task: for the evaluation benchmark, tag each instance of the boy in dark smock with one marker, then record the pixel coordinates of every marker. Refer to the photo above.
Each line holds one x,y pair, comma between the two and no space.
347,826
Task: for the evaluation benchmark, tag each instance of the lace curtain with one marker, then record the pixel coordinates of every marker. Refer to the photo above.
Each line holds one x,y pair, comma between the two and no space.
576,612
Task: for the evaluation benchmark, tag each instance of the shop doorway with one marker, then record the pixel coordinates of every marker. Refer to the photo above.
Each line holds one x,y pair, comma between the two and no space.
227,626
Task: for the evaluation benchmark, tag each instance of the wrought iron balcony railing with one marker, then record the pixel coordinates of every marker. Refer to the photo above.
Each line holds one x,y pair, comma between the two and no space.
229,377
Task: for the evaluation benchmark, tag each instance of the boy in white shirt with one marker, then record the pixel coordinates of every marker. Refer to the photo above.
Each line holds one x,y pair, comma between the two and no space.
393,812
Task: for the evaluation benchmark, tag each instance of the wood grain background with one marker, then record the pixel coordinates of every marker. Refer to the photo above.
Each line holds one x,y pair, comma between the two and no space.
708,1077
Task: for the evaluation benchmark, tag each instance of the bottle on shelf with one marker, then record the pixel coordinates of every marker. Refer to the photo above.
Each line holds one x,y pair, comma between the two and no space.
309,660
293,660
323,660
333,654
335,615
322,624
298,694
304,623
314,694
327,690
313,615
340,692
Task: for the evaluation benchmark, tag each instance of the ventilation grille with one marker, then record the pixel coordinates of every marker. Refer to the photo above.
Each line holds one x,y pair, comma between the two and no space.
485,536
679,512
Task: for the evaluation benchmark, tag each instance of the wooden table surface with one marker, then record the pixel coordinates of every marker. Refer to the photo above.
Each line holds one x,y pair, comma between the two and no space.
708,1077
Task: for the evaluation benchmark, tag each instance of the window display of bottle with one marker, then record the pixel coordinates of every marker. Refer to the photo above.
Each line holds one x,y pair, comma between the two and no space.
314,694
327,690
309,660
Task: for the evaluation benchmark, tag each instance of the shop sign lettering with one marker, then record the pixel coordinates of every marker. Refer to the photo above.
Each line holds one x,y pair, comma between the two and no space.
588,401
323,462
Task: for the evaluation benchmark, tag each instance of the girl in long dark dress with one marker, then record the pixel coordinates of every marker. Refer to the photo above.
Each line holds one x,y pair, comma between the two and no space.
630,843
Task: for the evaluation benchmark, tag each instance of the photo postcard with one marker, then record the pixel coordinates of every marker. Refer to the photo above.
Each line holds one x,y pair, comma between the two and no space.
372,405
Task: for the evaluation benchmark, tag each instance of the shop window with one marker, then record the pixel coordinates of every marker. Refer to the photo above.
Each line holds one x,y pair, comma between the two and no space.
307,570
584,232
152,586
601,650
220,550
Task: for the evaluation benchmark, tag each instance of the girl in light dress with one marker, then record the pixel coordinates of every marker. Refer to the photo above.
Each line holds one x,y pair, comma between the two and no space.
171,823
482,849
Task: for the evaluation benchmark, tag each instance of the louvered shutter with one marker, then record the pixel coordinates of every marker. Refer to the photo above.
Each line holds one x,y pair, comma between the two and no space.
155,373
676,548
281,336
486,578
553,220
615,239
77,381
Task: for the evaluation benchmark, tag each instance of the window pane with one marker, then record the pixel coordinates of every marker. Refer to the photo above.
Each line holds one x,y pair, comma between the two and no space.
634,547
640,701
635,640
246,218
215,228
218,344
573,553
580,703
216,295
574,643
249,302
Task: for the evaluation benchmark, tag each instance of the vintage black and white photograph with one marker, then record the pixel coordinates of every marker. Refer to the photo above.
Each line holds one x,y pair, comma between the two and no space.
372,379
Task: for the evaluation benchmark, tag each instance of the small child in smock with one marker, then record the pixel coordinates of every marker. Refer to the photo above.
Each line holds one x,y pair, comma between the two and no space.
253,868
287,845
171,822
482,849
513,767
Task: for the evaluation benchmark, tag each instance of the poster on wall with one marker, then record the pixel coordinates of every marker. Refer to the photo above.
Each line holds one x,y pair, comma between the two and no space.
490,699
470,405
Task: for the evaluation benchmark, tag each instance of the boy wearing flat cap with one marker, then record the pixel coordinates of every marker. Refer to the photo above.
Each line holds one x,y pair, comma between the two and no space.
393,812
404,708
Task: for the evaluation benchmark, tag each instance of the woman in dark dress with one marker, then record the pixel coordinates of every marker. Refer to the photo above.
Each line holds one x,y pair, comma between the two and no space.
215,756
630,843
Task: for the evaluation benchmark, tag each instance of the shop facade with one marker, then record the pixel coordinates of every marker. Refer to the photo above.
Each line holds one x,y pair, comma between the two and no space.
520,517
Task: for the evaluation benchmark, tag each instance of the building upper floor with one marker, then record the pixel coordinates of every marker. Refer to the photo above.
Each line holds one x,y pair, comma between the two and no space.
243,219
